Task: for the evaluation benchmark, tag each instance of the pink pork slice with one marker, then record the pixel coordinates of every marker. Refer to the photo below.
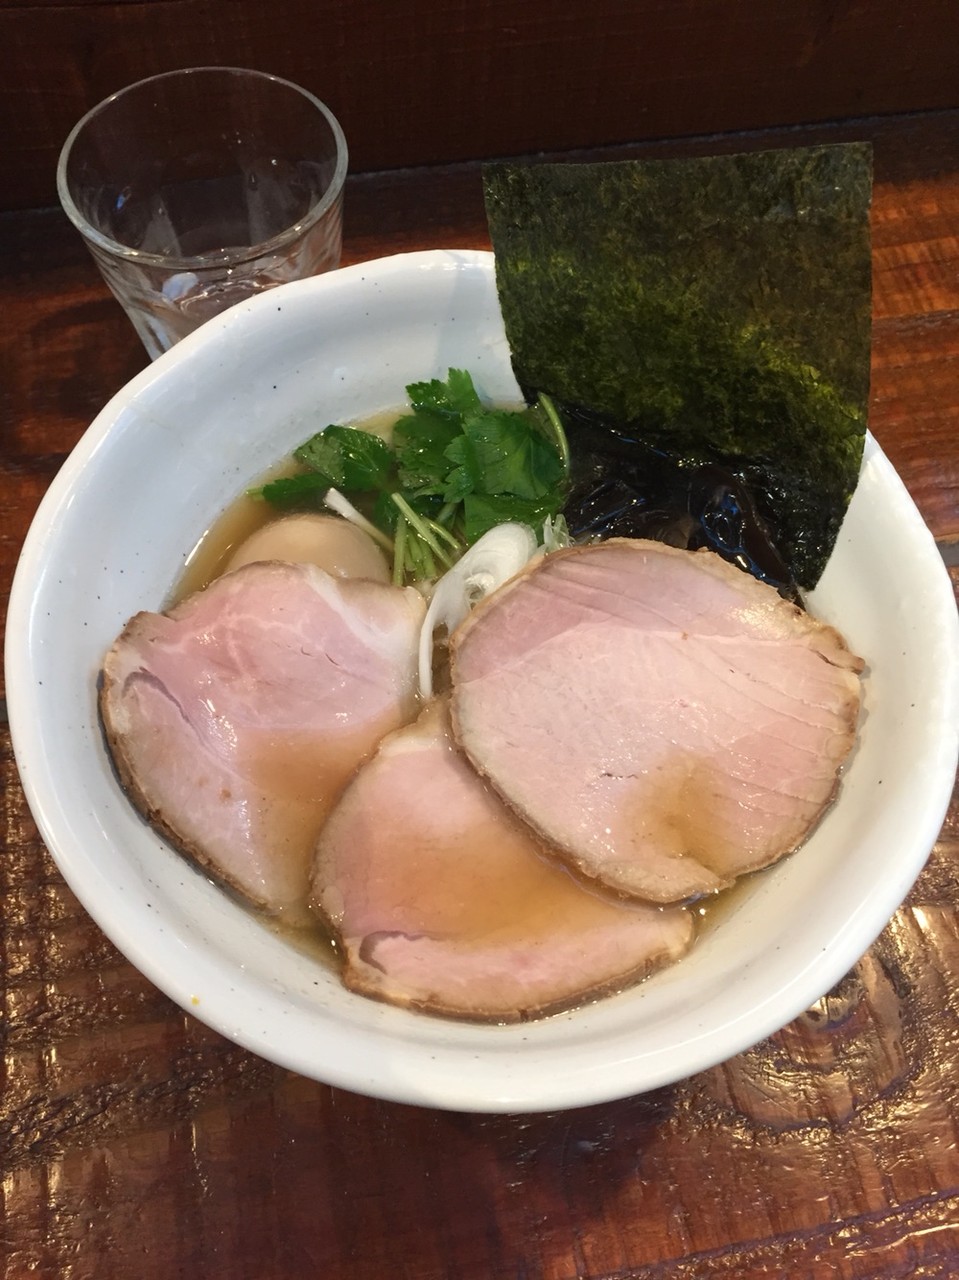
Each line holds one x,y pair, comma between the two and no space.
443,901
236,719
666,721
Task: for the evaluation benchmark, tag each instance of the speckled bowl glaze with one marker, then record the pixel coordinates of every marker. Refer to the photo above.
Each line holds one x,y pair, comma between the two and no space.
185,437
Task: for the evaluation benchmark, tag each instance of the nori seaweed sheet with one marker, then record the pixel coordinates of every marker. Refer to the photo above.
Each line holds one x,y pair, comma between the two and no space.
719,307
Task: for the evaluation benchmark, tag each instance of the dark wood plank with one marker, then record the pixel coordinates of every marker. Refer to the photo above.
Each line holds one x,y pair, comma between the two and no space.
435,81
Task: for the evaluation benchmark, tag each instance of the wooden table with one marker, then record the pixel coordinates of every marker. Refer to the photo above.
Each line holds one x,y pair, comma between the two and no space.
137,1143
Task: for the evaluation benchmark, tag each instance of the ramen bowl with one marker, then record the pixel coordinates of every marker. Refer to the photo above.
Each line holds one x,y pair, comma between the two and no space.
150,475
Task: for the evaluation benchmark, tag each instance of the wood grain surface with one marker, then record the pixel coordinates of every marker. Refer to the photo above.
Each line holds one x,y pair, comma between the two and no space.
436,81
135,1142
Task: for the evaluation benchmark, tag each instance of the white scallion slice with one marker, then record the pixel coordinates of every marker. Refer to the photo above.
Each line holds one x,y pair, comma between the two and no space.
343,507
492,560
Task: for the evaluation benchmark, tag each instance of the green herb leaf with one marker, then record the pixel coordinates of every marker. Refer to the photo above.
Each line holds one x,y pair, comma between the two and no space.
305,490
453,398
420,441
462,477
507,455
349,458
384,514
483,511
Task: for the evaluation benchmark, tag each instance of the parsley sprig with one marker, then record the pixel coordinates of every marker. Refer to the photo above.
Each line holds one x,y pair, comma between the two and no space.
452,470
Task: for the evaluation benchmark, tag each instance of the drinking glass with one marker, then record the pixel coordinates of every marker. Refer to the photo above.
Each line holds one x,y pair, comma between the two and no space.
198,188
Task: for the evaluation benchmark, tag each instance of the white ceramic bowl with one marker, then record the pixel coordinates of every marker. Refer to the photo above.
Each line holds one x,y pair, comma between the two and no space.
185,437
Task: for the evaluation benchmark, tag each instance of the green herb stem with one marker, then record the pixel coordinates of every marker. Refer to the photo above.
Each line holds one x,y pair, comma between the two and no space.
426,529
399,553
559,431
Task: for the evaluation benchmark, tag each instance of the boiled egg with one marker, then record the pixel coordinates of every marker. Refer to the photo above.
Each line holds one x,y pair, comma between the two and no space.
332,543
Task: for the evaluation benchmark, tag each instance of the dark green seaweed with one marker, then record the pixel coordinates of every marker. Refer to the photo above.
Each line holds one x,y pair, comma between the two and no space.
623,487
716,308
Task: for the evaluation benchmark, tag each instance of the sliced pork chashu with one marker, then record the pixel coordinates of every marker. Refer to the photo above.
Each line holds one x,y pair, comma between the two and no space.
235,719
663,719
443,901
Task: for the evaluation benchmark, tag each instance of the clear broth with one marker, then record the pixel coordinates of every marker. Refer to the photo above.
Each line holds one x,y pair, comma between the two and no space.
245,515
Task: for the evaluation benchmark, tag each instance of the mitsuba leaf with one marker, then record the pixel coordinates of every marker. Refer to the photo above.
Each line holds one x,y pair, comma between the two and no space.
462,477
420,441
510,457
482,511
299,491
349,458
717,308
385,513
453,398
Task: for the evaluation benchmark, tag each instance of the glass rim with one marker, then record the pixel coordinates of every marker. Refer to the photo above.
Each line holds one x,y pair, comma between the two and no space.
223,258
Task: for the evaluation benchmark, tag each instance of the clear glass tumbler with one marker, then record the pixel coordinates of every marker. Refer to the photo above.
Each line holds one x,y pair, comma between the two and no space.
198,188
